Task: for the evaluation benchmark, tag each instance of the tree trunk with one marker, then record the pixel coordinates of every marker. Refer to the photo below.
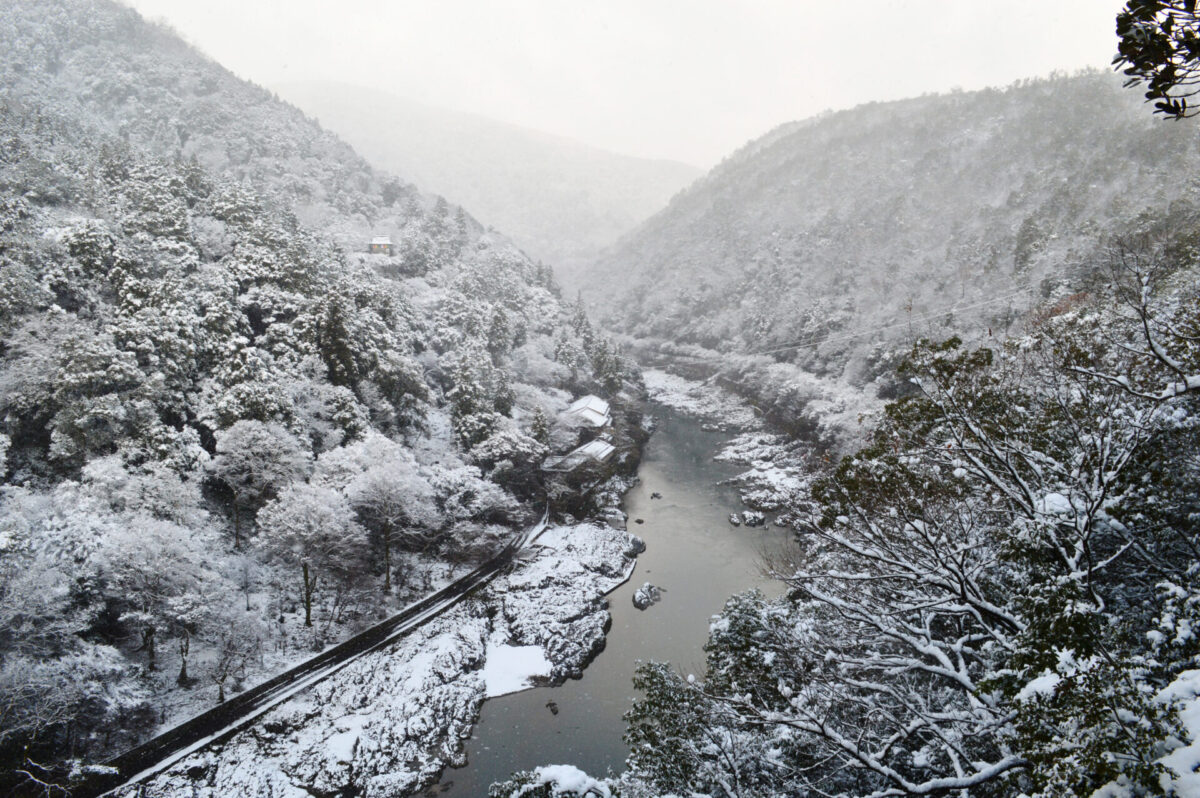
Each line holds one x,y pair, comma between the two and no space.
309,587
185,645
246,583
237,525
221,692
387,563
148,644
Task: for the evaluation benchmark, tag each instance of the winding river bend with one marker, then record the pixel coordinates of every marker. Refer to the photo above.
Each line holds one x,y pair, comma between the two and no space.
695,554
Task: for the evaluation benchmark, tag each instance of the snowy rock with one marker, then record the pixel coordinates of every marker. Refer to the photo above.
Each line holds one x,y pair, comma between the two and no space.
646,596
775,468
556,601
636,545
753,518
570,780
616,518
735,519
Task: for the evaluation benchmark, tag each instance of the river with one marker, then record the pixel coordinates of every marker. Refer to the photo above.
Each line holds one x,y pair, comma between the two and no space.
695,554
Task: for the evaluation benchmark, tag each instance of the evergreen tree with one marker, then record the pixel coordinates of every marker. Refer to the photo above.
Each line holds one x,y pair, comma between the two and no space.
539,428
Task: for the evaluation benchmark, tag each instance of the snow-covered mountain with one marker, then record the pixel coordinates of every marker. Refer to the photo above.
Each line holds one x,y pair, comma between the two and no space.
855,231
560,200
1014,544
253,391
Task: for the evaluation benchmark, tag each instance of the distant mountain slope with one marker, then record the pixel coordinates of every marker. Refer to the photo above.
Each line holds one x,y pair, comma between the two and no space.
856,230
560,200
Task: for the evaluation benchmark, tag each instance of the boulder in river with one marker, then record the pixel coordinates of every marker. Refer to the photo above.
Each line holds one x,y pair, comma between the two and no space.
646,595
735,519
636,546
753,518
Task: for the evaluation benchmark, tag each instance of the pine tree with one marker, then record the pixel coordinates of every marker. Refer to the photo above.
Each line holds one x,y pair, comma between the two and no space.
539,428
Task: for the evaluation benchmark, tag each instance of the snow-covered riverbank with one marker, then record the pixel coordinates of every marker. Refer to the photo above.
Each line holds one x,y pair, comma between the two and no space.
775,466
389,722
694,558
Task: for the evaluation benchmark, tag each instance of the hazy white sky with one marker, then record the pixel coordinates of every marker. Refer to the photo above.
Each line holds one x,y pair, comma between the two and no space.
685,79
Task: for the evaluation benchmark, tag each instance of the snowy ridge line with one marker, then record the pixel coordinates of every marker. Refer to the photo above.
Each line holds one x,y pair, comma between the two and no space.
224,720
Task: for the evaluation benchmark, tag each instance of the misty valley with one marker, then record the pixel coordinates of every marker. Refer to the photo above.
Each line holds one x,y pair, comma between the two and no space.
353,446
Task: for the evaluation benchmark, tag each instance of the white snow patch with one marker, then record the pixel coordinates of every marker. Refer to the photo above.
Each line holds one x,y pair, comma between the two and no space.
568,778
1054,504
341,746
418,668
1042,685
1184,761
509,668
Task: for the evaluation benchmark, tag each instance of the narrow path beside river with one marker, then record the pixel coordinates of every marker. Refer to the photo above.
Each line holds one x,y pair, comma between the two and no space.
695,554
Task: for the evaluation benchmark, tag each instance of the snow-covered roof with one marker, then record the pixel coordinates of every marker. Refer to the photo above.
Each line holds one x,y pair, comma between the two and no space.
597,450
590,409
382,241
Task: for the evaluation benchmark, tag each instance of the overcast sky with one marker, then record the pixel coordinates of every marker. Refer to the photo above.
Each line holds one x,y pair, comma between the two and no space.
690,80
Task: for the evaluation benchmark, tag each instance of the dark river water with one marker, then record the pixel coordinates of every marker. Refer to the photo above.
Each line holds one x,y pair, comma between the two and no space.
695,554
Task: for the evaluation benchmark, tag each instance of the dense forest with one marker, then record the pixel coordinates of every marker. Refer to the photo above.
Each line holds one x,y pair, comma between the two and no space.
992,592
995,596
228,435
829,243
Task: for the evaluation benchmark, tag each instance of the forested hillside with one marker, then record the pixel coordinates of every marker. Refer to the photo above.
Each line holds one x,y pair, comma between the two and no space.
559,200
857,231
996,595
228,436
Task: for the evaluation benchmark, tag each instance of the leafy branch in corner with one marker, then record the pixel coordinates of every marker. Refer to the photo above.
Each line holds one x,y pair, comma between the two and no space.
1160,49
